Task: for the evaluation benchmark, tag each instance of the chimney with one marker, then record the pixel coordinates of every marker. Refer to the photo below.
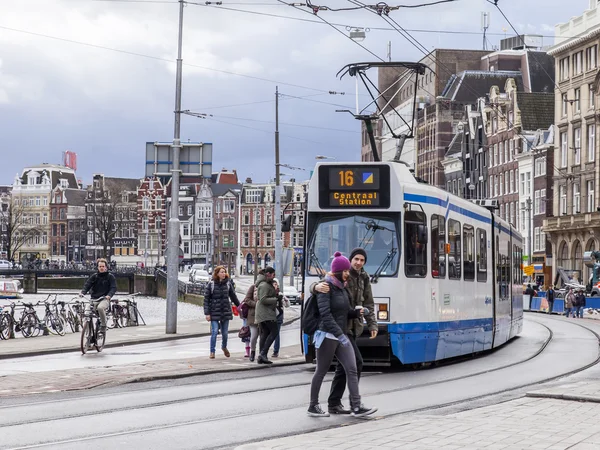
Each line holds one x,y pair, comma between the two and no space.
248,180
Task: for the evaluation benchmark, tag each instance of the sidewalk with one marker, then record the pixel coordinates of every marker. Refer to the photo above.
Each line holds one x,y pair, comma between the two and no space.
117,337
539,420
90,377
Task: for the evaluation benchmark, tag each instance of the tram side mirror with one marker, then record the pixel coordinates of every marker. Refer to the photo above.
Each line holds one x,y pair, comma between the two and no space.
422,234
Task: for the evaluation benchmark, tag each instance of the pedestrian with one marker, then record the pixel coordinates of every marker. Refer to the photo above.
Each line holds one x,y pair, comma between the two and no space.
569,300
550,297
250,301
331,338
218,295
360,294
266,316
281,304
580,299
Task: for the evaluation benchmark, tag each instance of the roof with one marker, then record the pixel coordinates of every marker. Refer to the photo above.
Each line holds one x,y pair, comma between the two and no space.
221,189
541,71
537,110
455,147
225,177
5,189
75,197
469,85
122,184
54,171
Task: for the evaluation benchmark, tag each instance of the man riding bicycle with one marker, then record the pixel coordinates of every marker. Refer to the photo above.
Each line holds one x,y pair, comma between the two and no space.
101,286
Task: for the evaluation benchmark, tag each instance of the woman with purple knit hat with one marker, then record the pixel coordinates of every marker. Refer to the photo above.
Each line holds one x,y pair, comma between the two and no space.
331,338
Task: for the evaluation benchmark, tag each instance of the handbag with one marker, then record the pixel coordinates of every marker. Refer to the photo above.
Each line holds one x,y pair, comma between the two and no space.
244,332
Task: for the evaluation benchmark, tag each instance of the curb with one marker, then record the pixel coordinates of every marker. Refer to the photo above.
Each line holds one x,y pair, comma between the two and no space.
175,337
211,371
570,397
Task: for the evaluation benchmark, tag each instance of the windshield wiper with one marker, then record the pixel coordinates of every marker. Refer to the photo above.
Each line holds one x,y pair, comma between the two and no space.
384,264
313,258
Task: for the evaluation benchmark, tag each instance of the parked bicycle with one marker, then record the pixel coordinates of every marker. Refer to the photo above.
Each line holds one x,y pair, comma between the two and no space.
54,322
67,314
29,324
90,335
7,320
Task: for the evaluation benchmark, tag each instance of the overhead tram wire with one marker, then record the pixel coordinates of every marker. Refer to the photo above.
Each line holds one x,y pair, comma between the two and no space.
158,58
262,101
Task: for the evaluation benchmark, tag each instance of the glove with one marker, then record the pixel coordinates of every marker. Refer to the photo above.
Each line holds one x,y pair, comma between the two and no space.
280,297
344,340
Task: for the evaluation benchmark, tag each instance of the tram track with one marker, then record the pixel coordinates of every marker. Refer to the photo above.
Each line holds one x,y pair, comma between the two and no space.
539,352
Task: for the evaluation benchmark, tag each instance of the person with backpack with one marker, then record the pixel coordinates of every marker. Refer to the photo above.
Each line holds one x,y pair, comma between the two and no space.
360,294
331,338
218,295
282,302
266,315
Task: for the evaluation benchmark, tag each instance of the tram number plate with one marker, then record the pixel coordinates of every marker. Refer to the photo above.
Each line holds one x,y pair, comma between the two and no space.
346,198
354,186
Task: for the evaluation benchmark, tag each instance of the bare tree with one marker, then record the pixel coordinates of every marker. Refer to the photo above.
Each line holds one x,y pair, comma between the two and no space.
110,213
20,228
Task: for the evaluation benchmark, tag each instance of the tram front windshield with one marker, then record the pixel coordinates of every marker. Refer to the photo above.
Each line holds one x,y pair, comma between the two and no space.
376,233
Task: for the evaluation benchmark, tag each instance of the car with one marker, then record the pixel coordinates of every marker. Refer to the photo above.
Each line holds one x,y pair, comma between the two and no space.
201,276
4,264
292,294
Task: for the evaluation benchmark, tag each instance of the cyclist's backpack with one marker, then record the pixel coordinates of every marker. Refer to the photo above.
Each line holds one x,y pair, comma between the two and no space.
310,316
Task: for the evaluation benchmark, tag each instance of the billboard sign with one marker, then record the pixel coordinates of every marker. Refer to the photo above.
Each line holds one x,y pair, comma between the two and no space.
195,159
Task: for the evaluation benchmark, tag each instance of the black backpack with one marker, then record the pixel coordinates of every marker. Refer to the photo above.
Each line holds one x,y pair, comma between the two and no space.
310,316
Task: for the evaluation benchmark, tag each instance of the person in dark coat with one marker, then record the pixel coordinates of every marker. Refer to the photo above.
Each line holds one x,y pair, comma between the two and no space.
579,304
550,297
218,295
266,313
101,286
331,338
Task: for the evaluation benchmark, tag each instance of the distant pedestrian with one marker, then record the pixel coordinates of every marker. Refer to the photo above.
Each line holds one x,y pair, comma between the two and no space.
266,316
550,298
218,295
569,301
331,338
580,304
250,300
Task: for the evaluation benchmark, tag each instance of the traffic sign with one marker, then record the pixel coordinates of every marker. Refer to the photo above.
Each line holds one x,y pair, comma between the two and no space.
528,270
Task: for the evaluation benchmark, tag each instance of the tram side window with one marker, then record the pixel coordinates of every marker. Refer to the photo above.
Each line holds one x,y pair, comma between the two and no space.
469,252
454,258
438,243
415,244
481,255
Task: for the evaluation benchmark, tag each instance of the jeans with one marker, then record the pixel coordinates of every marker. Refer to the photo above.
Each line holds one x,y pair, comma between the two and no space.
277,343
345,355
550,306
101,306
253,337
568,311
268,333
214,330
579,312
338,385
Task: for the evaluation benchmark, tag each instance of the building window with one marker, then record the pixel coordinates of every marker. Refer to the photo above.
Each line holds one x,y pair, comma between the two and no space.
592,97
576,199
180,210
90,238
511,146
253,196
543,201
158,203
257,239
564,69
563,150
536,203
590,57
591,204
562,193
501,184
246,239
246,218
536,242
522,184
146,203
591,135
577,101
269,239
540,166
145,223
507,183
577,144
512,181
158,223
186,247
190,210
186,229
565,102
577,63
495,160
228,206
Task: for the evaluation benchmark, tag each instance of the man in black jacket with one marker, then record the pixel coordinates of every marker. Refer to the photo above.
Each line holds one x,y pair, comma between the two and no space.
102,285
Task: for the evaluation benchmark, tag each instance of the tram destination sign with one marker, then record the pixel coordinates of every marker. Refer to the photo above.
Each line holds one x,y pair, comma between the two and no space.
354,186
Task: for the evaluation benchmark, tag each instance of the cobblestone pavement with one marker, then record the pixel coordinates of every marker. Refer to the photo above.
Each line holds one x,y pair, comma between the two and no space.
524,423
86,378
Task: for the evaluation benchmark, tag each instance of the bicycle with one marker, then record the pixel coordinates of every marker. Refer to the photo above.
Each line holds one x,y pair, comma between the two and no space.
90,336
29,324
54,322
68,316
6,321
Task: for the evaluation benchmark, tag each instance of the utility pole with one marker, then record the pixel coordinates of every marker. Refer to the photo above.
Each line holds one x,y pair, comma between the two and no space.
278,241
529,229
173,230
292,248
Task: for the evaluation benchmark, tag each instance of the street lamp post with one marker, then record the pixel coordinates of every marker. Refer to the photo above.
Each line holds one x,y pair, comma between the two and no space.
278,241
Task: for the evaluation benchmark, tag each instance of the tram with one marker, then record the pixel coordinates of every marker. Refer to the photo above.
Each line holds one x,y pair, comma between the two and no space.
446,272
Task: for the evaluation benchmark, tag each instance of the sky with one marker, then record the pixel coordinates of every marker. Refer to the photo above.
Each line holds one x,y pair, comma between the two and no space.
97,77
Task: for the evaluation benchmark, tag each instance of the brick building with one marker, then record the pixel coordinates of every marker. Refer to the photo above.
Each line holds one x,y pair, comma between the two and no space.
151,221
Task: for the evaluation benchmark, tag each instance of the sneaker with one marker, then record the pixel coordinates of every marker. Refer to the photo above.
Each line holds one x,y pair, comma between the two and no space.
212,356
362,411
316,411
275,355
338,409
226,353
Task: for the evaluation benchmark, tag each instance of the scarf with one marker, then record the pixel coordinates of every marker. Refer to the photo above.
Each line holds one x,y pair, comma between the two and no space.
330,278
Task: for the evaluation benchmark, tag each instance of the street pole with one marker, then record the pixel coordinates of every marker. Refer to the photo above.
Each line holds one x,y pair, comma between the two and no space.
278,242
255,253
530,259
238,257
173,236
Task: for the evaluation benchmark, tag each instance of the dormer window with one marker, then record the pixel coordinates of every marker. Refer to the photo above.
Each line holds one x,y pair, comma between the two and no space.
64,183
125,197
